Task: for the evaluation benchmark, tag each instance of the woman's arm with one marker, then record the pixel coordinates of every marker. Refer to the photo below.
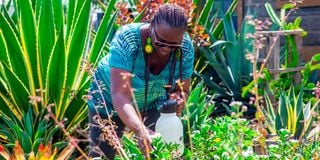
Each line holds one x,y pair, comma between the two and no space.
120,85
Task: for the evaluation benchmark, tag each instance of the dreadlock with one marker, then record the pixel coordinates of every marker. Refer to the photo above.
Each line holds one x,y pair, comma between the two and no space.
172,14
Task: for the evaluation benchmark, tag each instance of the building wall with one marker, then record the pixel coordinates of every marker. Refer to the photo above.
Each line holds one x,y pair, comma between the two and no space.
310,22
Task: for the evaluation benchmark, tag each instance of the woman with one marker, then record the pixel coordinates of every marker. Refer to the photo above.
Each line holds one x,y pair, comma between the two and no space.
157,55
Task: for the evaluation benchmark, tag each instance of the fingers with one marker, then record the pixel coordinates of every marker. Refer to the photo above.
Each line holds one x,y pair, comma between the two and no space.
145,146
179,110
180,103
151,132
144,142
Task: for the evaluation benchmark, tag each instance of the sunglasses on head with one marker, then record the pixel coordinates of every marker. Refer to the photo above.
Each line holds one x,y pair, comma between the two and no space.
164,44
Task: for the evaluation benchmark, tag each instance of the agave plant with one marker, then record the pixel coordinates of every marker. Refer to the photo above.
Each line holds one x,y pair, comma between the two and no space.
227,58
291,114
30,132
214,28
42,49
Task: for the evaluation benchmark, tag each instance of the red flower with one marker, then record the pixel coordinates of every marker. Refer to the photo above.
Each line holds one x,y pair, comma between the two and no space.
1,148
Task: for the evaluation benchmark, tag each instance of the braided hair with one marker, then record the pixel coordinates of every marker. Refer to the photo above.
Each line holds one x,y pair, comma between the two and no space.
171,14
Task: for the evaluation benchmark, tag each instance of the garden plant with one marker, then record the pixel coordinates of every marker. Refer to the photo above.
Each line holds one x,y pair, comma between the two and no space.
236,109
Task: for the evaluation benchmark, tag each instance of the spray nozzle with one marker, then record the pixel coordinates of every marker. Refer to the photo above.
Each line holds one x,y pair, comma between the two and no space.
169,106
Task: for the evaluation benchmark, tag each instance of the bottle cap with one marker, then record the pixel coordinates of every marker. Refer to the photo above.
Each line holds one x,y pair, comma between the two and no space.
169,106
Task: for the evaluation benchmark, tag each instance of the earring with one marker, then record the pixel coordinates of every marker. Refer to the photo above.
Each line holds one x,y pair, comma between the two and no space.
148,48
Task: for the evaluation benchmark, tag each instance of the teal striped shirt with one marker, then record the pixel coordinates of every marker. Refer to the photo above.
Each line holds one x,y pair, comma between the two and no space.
126,53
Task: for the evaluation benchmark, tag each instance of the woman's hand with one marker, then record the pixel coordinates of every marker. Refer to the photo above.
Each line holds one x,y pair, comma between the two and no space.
144,141
180,102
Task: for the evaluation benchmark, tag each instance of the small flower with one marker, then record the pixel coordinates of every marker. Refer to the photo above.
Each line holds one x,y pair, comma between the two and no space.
250,57
236,103
4,153
217,140
249,35
35,99
316,91
86,97
41,148
1,148
244,109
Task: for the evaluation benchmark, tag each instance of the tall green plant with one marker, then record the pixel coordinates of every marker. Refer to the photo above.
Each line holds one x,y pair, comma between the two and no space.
228,59
198,108
291,48
291,114
213,26
42,51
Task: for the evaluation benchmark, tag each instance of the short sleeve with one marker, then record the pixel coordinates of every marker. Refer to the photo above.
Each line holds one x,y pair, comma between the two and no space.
187,57
123,48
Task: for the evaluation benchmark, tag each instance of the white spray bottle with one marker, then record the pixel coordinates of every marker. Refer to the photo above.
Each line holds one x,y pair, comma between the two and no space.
170,126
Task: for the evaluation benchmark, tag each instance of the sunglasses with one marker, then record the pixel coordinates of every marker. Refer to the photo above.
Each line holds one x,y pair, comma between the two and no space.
164,44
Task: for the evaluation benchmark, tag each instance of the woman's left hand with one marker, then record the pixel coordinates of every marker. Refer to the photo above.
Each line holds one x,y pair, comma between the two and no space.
180,102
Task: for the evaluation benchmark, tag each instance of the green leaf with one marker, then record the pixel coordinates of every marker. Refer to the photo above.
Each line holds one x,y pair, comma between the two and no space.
229,30
40,130
139,16
284,111
299,125
3,49
195,94
10,20
77,109
9,106
70,17
299,103
246,89
205,13
292,58
58,14
8,5
27,123
316,58
287,6
279,124
217,32
25,142
13,46
297,22
275,19
51,133
27,28
46,38
37,11
56,73
77,45
104,30
36,144
270,109
218,43
18,91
